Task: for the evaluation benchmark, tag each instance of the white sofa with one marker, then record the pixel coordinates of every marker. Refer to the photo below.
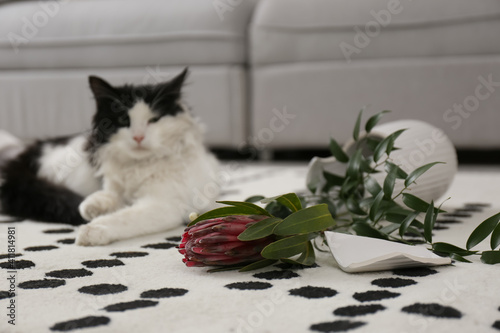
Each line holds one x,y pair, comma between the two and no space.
317,61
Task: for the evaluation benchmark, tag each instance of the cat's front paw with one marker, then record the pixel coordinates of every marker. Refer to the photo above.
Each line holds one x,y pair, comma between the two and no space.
92,234
97,204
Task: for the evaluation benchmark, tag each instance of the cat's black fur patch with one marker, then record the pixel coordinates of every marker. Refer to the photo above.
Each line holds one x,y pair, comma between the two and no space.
24,195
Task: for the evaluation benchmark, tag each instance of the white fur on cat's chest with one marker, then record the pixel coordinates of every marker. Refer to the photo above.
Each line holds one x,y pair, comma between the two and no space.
133,180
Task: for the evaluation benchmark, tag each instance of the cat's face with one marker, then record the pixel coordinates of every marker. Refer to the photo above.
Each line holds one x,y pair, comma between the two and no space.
139,121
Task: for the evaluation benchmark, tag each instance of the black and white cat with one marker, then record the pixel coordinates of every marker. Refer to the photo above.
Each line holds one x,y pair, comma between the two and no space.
141,170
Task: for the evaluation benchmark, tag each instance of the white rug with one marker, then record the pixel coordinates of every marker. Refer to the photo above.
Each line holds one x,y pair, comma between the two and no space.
141,285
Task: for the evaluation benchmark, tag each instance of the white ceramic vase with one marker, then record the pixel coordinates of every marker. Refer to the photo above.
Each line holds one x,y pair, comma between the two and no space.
420,144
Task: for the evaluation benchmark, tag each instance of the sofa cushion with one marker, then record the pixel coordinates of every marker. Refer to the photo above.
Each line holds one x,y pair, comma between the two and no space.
322,30
114,33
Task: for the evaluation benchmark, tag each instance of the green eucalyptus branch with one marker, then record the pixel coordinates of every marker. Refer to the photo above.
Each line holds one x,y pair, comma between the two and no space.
355,203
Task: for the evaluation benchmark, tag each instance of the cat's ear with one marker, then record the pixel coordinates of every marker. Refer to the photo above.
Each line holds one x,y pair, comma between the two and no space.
101,89
177,82
173,87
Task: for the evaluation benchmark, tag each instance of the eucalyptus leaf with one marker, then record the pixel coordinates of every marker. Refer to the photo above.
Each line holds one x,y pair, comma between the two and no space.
415,174
389,182
255,198
495,237
354,165
307,220
258,210
337,151
366,165
225,211
372,186
373,120
260,229
400,173
390,145
330,204
417,204
374,210
389,229
366,230
490,257
395,217
357,126
429,222
348,187
449,248
386,145
289,200
287,247
278,210
482,231
353,206
332,180
407,222
372,143
307,258
457,257
259,264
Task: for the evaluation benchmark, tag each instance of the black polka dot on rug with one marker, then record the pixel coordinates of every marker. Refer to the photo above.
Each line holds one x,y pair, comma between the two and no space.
41,248
12,255
313,292
470,209
102,263
496,325
358,310
164,293
251,285
433,310
478,204
130,254
90,321
337,326
440,227
374,295
66,241
285,265
69,273
103,289
448,221
276,275
414,271
5,294
17,264
457,214
58,231
40,284
393,282
125,306
175,239
159,246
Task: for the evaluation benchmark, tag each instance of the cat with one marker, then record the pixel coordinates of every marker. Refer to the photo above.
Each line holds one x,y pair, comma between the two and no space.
142,169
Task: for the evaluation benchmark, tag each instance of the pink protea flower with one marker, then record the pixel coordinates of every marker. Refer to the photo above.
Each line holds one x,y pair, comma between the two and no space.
215,242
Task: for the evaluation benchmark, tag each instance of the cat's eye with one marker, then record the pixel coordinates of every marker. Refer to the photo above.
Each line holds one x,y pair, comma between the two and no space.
154,120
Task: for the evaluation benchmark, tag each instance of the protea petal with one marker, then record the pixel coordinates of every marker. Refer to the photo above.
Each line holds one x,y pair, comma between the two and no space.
230,228
215,242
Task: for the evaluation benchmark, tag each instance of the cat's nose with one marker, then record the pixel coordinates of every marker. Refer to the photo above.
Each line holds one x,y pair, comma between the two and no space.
138,138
